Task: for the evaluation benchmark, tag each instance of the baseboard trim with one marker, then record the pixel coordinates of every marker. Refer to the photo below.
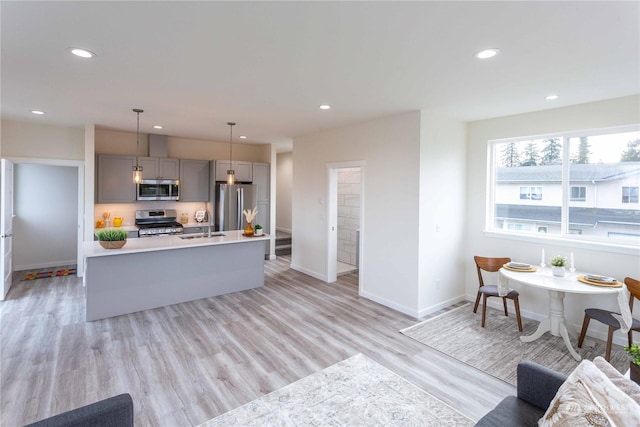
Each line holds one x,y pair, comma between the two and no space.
308,272
440,306
43,265
390,304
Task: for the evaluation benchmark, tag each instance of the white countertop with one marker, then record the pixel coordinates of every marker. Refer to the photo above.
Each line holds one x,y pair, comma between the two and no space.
161,243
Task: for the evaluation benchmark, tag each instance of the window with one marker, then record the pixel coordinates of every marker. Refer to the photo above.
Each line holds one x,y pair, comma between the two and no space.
629,194
578,194
569,166
530,193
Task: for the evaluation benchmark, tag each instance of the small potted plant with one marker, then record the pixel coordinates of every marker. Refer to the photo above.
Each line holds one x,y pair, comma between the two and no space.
258,230
634,366
557,265
112,239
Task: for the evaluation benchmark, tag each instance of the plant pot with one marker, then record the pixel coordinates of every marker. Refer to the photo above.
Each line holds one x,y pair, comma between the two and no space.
634,372
112,244
258,232
558,271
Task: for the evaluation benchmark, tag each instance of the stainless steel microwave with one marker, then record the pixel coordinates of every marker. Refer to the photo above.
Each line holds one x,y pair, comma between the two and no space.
158,189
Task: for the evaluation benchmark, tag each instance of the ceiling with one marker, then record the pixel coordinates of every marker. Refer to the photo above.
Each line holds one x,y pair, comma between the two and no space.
193,66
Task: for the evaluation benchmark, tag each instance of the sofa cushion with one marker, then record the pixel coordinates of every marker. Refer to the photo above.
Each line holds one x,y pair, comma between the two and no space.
512,412
575,406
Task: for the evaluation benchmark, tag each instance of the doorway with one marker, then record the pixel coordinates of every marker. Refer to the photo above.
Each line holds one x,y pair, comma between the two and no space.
345,214
48,213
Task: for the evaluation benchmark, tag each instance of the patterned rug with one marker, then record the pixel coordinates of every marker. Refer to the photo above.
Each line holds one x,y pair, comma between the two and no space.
354,392
47,274
497,349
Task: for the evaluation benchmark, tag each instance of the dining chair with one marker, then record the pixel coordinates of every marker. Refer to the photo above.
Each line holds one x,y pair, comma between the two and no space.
492,265
605,316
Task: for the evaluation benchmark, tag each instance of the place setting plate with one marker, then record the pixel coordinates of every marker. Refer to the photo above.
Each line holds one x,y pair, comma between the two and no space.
598,280
520,266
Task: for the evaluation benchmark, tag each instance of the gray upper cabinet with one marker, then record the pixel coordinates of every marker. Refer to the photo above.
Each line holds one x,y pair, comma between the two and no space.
115,179
243,170
159,168
194,180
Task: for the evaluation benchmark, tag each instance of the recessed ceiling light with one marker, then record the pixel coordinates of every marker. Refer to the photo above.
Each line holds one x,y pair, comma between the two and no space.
551,97
325,107
82,53
243,137
157,127
37,112
487,53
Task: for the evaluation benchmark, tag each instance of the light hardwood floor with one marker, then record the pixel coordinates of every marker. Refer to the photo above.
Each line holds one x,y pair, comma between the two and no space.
187,363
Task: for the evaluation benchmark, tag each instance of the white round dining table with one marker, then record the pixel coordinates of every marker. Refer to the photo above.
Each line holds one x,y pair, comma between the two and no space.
557,288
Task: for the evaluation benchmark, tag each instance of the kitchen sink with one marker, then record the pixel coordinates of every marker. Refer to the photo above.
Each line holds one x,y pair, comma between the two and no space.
200,236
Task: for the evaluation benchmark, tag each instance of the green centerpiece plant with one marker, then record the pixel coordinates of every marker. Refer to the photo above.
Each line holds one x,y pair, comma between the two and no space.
258,230
557,265
112,239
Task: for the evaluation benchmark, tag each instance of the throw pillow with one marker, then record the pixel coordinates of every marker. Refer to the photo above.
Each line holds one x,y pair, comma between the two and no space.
575,406
620,409
629,387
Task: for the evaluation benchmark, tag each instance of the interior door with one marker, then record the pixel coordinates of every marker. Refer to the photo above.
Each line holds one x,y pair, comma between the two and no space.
6,225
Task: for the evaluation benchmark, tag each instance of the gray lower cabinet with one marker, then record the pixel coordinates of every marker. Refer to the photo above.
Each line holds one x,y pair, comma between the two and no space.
114,179
194,180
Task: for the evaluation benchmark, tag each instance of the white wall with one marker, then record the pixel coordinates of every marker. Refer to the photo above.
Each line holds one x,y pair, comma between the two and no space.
442,211
534,302
46,209
390,147
284,182
28,139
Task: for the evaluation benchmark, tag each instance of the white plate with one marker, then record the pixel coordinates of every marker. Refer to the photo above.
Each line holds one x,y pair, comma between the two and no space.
598,278
519,265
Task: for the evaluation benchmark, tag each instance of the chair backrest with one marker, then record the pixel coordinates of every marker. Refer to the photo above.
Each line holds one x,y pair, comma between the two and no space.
488,264
633,286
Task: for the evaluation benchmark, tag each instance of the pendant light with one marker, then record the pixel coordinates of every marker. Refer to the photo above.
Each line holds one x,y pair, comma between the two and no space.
231,178
137,169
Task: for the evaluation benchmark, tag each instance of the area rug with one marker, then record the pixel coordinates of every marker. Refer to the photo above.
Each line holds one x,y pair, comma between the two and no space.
354,392
497,349
47,274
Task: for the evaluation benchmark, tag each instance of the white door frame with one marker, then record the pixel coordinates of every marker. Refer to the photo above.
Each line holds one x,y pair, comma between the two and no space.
73,163
332,215
6,227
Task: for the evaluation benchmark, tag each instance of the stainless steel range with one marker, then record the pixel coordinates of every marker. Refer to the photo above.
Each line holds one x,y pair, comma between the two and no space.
157,222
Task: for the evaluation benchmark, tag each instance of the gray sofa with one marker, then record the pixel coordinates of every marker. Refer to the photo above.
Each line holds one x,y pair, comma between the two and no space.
116,411
537,385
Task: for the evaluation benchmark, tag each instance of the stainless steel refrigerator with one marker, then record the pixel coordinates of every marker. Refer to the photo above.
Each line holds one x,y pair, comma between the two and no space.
231,200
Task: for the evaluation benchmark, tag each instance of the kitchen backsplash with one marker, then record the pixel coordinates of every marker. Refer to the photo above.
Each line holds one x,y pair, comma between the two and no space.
128,210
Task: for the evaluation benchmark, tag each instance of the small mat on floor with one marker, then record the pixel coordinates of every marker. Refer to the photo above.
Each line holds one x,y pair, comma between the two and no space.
47,274
497,349
354,392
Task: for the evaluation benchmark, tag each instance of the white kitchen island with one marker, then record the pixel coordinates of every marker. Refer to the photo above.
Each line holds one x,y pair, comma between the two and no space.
158,271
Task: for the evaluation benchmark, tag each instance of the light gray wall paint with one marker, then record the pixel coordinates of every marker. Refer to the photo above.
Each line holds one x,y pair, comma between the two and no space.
46,209
283,191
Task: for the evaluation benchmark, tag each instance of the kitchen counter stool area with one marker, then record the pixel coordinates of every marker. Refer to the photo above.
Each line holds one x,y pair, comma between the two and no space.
159,271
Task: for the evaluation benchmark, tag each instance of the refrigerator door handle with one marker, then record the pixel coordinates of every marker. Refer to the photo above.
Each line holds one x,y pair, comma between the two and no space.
221,204
240,208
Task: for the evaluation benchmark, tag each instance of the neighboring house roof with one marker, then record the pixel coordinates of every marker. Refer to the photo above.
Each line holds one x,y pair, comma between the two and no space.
577,172
577,216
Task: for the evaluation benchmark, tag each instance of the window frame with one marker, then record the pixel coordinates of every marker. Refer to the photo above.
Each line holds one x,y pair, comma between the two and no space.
580,198
565,237
630,195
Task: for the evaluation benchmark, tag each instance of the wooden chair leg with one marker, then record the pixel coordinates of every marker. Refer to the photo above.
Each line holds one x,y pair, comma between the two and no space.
607,355
517,304
475,307
484,308
504,302
630,336
583,332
